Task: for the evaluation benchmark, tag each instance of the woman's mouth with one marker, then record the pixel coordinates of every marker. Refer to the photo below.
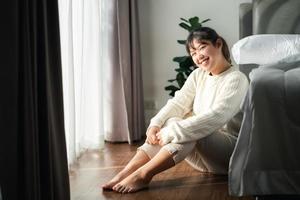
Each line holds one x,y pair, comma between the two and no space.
204,61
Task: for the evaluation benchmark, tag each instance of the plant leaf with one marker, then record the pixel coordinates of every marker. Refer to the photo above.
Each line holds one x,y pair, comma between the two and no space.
171,87
171,80
185,26
195,26
194,21
181,41
188,72
182,19
180,79
187,62
172,94
180,59
179,76
180,70
206,20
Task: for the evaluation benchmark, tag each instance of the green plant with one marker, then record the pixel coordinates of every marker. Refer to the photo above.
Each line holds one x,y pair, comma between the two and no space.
186,64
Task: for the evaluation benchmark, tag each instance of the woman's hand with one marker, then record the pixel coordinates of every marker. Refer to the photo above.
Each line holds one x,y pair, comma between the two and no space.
158,136
151,135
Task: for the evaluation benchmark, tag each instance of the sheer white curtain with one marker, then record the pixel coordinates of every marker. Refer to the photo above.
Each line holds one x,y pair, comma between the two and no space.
81,48
101,73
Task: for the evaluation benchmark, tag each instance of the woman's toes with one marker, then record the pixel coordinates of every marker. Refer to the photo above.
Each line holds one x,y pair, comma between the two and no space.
122,189
117,188
126,190
107,186
130,190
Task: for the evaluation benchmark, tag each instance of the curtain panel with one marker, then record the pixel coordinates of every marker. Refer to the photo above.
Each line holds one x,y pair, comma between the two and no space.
32,140
81,47
123,94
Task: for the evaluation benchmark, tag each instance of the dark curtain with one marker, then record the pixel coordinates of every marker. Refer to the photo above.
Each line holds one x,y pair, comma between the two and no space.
33,162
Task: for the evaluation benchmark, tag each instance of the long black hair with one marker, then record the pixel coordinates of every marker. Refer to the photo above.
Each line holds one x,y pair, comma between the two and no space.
206,33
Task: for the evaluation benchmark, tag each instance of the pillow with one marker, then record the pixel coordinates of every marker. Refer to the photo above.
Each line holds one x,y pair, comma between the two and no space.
267,49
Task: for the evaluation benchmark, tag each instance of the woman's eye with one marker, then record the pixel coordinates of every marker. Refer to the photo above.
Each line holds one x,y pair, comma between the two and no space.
201,47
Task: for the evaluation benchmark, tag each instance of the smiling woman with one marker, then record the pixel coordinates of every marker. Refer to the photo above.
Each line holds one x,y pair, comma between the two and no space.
200,124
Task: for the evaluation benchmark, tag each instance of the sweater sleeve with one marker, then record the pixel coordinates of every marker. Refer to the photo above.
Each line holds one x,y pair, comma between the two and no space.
180,104
226,105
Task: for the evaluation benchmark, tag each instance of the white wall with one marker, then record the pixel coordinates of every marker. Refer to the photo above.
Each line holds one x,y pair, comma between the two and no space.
159,31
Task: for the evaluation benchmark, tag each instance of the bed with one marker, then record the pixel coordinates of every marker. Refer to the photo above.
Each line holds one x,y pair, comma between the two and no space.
266,159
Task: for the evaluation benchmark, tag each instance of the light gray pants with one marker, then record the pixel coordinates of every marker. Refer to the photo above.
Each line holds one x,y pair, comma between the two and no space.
208,154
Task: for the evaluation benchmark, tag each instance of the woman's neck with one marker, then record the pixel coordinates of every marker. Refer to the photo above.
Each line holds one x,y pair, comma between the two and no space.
221,67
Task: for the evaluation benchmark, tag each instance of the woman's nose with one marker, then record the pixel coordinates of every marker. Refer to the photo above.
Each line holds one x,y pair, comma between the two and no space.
200,55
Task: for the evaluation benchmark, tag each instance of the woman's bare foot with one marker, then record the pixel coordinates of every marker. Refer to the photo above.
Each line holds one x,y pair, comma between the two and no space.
119,177
134,182
111,183
137,161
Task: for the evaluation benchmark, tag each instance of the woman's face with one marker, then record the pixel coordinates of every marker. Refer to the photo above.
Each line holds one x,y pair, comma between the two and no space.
206,55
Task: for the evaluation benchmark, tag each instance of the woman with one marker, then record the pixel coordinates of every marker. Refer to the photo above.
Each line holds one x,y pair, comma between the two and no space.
200,124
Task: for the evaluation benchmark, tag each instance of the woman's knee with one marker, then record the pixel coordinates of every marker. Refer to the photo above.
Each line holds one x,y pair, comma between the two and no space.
179,151
149,149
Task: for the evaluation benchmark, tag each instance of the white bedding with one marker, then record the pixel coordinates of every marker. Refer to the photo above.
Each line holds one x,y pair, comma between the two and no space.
267,49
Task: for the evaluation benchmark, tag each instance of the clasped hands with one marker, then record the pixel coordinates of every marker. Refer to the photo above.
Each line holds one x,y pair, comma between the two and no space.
154,136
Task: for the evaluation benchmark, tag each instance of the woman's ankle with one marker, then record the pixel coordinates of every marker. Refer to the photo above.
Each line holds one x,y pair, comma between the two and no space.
145,174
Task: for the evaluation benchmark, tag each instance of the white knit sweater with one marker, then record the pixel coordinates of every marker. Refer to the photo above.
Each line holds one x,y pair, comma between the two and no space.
214,102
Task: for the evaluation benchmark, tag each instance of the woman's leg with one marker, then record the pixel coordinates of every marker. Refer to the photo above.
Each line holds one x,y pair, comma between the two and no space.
144,153
167,157
141,177
149,161
136,162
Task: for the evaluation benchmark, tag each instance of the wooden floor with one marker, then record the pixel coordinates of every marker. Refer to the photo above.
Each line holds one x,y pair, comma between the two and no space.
180,182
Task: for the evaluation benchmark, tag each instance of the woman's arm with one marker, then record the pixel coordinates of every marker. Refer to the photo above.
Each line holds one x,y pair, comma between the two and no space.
180,104
227,104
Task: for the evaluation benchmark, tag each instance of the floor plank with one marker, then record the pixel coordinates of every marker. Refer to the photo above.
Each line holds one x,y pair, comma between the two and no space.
96,167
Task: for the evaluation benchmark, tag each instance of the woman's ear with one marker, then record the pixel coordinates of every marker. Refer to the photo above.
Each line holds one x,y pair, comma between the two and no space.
219,43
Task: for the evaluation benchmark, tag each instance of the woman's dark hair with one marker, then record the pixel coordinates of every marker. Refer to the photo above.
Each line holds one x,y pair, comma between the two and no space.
206,33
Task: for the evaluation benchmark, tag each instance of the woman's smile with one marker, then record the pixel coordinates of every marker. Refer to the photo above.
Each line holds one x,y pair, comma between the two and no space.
204,61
